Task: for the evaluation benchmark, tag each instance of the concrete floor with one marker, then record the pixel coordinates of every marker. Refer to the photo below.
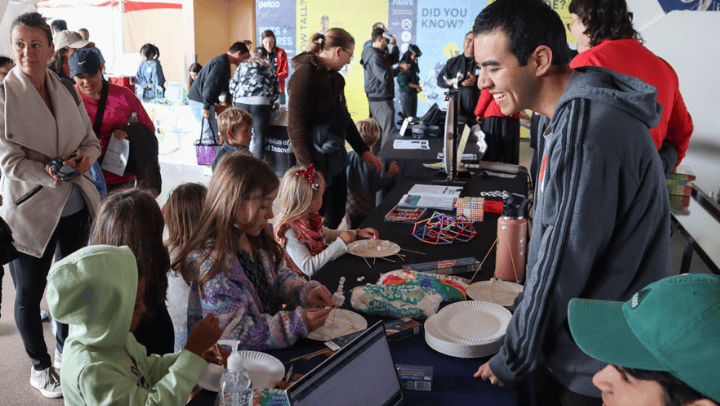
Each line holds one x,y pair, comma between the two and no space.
15,365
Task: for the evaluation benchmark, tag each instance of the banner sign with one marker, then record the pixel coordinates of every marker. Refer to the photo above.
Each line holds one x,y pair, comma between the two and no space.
437,27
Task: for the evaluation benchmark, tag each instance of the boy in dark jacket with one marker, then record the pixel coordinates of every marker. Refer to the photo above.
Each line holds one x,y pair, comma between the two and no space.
602,218
363,182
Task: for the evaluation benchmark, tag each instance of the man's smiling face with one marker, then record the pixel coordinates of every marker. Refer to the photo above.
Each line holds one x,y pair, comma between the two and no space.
513,86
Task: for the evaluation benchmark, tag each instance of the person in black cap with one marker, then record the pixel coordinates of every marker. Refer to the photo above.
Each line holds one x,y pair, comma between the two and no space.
409,81
120,105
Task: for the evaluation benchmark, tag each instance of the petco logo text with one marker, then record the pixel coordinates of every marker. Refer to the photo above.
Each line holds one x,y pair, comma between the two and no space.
269,4
402,2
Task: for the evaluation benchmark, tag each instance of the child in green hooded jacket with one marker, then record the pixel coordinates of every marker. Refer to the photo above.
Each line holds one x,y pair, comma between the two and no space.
97,292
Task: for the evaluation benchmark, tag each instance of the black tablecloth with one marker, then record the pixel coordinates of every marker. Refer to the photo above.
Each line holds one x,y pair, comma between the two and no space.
352,267
389,153
453,383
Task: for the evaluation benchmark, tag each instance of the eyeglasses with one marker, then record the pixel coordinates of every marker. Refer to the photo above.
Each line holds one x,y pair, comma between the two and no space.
349,54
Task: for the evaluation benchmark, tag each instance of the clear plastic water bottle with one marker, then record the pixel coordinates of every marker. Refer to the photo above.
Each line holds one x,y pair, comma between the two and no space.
133,118
235,384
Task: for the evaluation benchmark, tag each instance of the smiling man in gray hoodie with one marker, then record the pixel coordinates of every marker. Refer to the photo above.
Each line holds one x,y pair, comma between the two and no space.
601,219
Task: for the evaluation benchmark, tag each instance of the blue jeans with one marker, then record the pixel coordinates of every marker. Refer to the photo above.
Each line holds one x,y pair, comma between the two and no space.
209,134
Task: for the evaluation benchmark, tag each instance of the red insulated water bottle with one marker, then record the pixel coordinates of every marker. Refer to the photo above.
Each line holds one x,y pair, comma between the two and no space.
512,235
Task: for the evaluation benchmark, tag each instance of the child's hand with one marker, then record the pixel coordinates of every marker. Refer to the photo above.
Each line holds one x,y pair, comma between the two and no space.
368,233
204,335
347,237
393,169
320,297
315,318
216,355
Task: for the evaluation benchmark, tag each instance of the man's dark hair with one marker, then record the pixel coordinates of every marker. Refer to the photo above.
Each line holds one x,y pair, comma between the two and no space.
35,20
247,42
239,46
676,392
378,24
58,25
604,19
377,33
85,30
4,60
528,24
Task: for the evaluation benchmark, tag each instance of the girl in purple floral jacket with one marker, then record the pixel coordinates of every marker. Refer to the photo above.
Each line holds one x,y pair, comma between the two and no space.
235,266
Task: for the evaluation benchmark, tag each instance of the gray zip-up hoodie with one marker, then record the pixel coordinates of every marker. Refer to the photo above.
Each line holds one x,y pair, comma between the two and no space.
602,222
379,73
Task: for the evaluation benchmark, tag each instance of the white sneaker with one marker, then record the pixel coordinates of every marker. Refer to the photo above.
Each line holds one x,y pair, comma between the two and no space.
47,382
58,360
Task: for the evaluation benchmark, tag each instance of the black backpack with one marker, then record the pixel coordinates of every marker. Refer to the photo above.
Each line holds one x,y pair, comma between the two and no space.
433,117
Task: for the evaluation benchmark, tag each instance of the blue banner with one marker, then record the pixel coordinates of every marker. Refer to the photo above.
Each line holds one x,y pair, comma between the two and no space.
278,16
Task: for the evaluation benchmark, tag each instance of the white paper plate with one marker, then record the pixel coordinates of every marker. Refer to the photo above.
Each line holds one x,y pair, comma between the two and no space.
445,345
473,322
263,369
373,248
495,291
339,323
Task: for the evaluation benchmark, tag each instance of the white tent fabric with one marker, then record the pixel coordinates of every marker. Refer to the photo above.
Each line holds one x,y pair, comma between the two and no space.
11,9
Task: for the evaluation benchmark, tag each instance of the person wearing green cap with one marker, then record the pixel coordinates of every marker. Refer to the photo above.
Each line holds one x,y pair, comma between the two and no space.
662,344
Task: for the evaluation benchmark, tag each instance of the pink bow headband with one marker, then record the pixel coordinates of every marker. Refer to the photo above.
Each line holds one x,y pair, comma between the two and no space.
307,173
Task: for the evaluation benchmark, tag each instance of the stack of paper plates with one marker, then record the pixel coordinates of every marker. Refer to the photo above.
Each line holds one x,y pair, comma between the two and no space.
470,329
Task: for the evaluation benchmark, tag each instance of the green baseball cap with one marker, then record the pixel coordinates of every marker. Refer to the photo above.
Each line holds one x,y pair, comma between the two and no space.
671,325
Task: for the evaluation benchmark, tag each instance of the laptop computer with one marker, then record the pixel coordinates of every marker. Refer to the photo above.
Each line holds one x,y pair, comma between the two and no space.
362,373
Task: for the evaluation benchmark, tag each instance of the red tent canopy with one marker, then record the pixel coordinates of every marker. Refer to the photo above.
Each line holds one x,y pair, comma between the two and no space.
126,4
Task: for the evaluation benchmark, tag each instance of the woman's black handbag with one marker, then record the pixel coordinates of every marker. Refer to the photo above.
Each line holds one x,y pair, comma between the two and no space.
7,249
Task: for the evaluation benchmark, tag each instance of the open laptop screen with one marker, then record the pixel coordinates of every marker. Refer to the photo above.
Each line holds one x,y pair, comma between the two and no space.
361,374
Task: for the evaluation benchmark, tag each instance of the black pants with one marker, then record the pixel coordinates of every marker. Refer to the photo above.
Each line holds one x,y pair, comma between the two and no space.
30,278
334,198
408,102
550,392
261,126
502,135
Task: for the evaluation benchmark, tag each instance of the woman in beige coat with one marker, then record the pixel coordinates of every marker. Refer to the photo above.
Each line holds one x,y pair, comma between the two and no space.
40,121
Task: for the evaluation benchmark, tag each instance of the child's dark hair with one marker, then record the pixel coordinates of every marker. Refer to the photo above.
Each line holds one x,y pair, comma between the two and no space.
4,60
59,25
150,51
132,217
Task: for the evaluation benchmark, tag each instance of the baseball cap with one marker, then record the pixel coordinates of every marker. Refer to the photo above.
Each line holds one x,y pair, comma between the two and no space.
671,325
84,61
415,50
70,39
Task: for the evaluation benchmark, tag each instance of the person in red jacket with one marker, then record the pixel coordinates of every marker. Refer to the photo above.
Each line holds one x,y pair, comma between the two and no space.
278,57
608,39
502,133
